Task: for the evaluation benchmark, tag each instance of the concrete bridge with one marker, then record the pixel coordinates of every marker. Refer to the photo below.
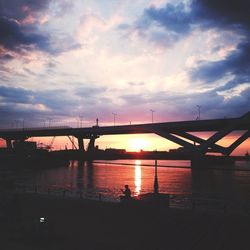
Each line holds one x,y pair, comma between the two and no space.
178,132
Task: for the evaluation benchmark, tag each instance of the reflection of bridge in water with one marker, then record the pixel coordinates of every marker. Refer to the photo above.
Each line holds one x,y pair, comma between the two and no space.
181,133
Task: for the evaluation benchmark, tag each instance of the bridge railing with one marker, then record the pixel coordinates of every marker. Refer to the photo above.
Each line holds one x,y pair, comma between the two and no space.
33,128
63,192
186,202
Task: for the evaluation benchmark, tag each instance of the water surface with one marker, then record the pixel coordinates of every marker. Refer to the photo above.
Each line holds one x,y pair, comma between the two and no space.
174,177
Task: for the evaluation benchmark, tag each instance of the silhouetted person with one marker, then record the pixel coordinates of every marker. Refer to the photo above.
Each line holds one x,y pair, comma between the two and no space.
126,192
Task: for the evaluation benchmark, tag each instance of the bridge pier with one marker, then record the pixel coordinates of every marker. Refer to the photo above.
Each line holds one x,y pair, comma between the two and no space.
91,145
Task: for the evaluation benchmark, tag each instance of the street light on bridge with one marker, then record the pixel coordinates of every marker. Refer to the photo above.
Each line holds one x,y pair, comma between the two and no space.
81,118
199,112
152,115
49,119
114,114
77,122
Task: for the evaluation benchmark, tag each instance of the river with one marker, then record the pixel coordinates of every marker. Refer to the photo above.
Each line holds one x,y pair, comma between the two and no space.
105,179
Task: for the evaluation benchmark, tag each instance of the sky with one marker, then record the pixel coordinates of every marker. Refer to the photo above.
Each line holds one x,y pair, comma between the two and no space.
66,63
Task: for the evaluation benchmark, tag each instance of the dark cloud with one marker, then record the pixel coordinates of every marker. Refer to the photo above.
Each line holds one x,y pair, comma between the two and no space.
237,80
246,94
15,95
6,57
173,17
237,64
168,104
20,27
20,9
179,20
20,103
56,100
59,104
233,15
222,13
53,100
14,36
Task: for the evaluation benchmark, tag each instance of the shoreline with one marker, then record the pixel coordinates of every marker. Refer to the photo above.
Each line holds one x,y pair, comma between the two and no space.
83,224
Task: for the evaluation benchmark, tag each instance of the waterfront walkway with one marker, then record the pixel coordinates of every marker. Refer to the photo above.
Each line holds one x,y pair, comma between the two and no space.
43,222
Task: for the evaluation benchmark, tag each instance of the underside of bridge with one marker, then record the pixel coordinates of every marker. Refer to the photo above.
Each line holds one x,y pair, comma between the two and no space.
80,142
191,143
200,146
182,133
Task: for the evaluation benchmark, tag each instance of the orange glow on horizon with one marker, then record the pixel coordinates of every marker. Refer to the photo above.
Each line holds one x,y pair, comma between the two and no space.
137,144
146,142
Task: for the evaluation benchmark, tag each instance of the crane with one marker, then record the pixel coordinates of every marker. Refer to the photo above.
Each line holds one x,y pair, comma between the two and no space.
50,146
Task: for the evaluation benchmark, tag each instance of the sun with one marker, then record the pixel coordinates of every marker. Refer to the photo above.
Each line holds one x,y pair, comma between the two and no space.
137,144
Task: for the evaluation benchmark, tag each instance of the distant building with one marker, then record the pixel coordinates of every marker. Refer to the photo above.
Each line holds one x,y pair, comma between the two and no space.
25,145
177,150
115,151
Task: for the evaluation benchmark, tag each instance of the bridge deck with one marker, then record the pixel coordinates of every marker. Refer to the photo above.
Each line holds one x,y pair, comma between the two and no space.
242,123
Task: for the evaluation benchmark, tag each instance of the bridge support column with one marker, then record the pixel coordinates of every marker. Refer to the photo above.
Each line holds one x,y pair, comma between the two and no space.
9,144
80,144
91,145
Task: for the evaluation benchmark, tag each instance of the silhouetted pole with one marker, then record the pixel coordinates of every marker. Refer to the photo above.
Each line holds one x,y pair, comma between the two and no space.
80,144
156,179
114,114
80,117
49,119
199,112
152,115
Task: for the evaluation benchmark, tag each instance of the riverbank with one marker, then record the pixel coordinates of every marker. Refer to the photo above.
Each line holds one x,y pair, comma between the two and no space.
42,222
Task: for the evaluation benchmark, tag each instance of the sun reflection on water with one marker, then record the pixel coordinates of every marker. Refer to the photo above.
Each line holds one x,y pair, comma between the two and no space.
137,177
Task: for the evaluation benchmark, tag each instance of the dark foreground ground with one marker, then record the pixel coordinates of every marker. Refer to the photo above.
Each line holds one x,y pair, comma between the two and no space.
75,224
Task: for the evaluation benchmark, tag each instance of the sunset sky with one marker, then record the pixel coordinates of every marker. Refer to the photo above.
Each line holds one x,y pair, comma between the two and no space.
67,62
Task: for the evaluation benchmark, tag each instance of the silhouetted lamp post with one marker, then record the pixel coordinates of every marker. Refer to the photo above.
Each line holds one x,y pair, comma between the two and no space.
152,115
80,117
199,112
156,180
49,119
114,114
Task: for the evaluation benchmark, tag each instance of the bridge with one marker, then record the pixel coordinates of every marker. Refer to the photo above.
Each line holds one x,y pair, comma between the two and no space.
180,133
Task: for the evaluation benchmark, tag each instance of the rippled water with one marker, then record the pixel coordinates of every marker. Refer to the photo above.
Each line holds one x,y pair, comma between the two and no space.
174,177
